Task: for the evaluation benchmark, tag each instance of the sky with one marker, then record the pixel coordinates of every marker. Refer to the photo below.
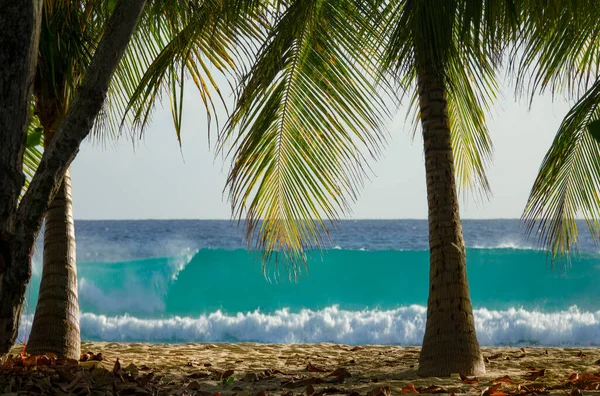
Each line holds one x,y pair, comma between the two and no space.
156,179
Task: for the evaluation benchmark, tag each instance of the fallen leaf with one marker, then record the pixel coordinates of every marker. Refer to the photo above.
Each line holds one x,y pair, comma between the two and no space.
380,391
432,389
468,380
491,389
227,374
340,373
309,390
314,369
409,388
532,375
116,367
328,390
506,379
194,385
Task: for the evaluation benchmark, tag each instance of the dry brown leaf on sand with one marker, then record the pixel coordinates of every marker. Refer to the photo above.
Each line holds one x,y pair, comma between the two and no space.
409,388
532,375
314,369
506,379
467,380
380,391
432,389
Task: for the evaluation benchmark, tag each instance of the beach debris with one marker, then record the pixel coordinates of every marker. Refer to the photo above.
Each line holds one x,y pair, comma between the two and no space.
467,380
117,366
496,356
409,388
90,356
492,390
227,374
340,373
433,389
575,392
380,391
328,391
251,377
309,390
356,348
581,354
354,393
585,381
505,379
533,375
199,375
314,369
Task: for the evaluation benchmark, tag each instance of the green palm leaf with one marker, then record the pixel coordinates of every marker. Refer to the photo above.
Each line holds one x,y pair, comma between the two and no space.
568,182
304,112
560,51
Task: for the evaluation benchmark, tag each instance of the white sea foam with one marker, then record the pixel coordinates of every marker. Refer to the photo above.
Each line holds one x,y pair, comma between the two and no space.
402,326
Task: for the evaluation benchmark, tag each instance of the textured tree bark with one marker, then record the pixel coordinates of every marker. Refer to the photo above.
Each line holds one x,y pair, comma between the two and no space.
450,344
55,325
19,36
62,150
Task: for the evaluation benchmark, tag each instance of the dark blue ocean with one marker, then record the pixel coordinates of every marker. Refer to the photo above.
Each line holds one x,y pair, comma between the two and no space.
192,280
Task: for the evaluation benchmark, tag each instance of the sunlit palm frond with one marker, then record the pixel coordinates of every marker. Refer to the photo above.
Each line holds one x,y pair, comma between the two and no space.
306,109
33,150
175,42
472,89
568,183
559,47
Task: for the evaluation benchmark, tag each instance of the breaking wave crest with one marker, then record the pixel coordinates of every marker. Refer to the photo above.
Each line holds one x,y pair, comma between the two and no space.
401,326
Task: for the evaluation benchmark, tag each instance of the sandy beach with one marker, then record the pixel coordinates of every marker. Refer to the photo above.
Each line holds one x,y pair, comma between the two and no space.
249,368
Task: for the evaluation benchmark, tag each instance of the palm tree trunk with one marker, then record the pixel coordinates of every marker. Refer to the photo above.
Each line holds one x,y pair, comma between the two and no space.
55,325
20,226
450,344
19,37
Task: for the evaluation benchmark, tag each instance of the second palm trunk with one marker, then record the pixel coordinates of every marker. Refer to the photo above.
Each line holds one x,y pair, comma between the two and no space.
450,344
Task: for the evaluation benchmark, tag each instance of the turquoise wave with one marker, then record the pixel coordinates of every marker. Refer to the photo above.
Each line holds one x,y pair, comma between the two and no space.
231,281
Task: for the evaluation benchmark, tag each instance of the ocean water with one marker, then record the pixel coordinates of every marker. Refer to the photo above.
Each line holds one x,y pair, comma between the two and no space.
188,280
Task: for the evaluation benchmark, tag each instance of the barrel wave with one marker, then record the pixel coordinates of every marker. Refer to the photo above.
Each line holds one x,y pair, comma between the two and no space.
352,296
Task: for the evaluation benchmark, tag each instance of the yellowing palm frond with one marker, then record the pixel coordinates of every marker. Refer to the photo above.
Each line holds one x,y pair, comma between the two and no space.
305,111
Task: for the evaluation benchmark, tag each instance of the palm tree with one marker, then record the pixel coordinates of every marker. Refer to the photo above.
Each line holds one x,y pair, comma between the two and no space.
448,53
560,52
20,221
311,100
195,36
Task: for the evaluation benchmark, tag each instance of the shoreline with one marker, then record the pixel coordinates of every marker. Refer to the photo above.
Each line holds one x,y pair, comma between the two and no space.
249,368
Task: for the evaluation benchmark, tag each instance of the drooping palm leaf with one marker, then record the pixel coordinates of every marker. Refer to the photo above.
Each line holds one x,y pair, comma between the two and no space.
568,183
560,51
304,112
174,42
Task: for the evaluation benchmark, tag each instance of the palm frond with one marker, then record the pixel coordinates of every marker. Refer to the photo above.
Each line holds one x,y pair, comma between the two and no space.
304,112
568,182
559,47
33,150
175,42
